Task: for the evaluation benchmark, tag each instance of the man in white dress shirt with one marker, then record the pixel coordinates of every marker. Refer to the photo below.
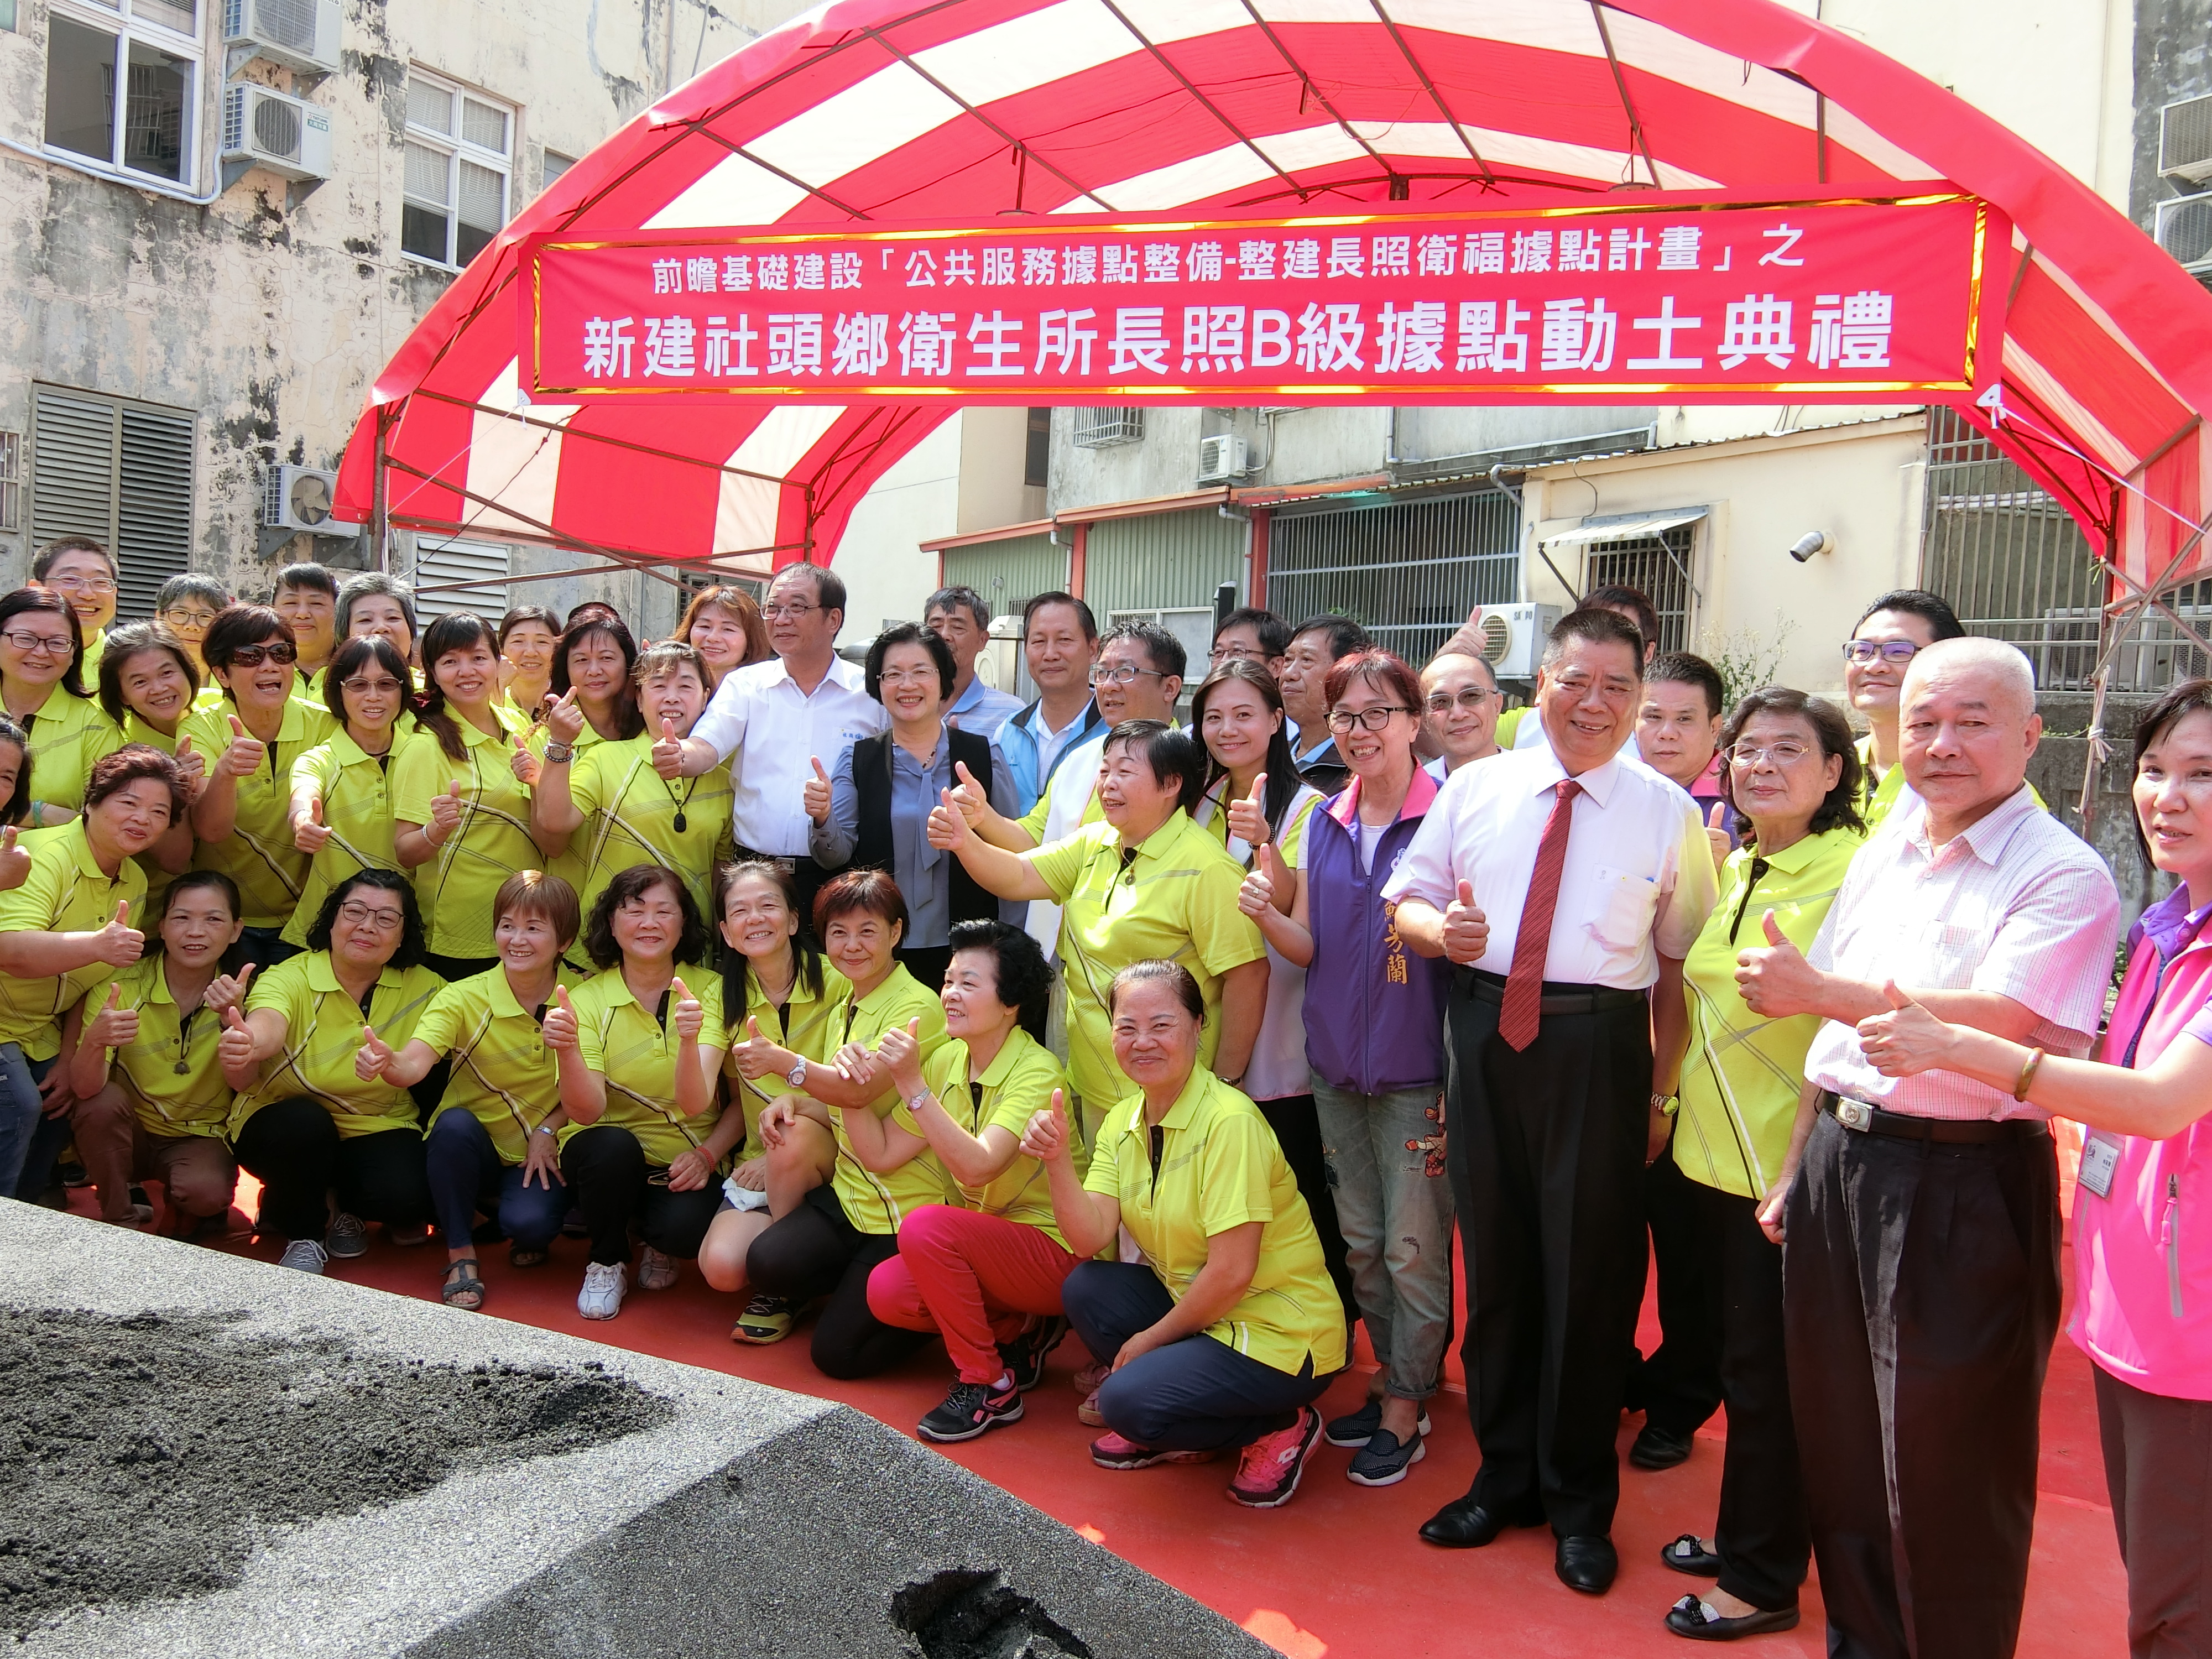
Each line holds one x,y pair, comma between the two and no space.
802,710
1564,883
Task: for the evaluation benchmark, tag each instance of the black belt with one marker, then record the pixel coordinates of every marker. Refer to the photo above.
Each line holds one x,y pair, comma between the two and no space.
1556,999
1857,1115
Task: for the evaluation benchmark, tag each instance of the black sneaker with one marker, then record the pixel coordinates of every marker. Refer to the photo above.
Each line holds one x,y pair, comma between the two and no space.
1026,1354
1383,1461
971,1408
1358,1428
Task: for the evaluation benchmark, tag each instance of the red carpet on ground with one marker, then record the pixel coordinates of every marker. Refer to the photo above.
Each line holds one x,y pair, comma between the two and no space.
1339,1571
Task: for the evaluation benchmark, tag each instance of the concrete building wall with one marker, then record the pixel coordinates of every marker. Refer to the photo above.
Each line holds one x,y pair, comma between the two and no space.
2172,59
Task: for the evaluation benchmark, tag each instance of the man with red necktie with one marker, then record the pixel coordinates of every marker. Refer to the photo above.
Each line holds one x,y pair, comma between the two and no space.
1562,883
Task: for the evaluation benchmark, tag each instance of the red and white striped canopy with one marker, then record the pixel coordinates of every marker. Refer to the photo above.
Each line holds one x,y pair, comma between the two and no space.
891,109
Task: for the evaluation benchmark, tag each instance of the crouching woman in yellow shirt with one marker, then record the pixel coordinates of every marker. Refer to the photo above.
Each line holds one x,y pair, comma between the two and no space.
1229,1329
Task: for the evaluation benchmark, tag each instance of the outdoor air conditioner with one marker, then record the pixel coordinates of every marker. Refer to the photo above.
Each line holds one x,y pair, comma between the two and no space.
2184,230
299,498
300,35
273,129
2185,140
1220,460
1513,637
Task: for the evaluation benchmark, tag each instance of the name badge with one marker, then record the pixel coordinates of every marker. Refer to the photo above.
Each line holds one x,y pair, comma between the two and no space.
2100,1159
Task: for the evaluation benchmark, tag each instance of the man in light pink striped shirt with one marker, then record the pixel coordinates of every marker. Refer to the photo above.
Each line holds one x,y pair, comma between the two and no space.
1919,1216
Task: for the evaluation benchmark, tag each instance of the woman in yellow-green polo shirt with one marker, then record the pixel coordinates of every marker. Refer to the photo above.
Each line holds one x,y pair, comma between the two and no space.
848,1220
341,805
307,1122
640,1046
1794,776
149,682
985,1267
1229,1329
43,687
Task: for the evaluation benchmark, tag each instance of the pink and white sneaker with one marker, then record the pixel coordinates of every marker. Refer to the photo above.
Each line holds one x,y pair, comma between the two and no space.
1112,1451
1268,1473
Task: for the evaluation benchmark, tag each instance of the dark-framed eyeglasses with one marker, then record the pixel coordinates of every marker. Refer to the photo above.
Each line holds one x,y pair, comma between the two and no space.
1865,651
1342,720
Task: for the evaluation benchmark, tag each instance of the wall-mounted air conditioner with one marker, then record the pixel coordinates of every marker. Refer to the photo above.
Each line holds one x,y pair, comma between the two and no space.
299,498
300,35
2185,140
264,129
1221,459
2184,230
1513,637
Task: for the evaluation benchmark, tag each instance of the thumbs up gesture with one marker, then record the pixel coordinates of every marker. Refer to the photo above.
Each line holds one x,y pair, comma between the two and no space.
969,797
446,814
667,756
114,1026
242,757
15,860
560,1030
1466,930
816,795
564,718
690,1013
224,992
309,832
524,764
755,1057
374,1055
1716,833
1247,817
1776,979
900,1050
1257,896
118,945
193,765
1908,1039
235,1048
948,829
1046,1137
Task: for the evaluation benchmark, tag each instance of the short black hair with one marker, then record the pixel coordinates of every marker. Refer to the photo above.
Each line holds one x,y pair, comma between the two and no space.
354,655
1931,608
946,597
634,882
948,672
126,643
1083,610
1172,753
828,585
1274,633
544,615
25,601
1024,977
1344,636
1600,628
236,626
308,573
17,807
1682,668
42,561
1619,596
1162,649
414,944
233,960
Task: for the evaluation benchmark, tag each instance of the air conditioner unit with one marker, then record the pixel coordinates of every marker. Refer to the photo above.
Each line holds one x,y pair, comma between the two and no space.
299,498
2185,140
2184,230
1220,460
300,35
287,136
1512,637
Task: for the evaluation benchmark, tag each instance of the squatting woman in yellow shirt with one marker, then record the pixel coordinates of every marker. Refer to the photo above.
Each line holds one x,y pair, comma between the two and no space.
341,807
1229,1329
639,1048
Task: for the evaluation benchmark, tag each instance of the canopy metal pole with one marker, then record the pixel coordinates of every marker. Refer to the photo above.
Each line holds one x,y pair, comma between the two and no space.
379,496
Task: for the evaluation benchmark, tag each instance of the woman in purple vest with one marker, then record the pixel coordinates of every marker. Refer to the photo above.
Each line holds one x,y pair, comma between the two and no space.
1374,1018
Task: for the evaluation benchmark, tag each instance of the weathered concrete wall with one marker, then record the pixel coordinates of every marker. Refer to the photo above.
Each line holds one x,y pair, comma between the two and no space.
2172,59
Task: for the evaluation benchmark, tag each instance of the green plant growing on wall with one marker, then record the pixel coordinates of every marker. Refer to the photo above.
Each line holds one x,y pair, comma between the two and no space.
1747,659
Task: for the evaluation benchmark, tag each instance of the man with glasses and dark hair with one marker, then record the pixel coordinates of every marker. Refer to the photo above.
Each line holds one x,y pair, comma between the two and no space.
959,617
1256,636
1461,705
1891,632
1060,642
802,711
1315,646
85,574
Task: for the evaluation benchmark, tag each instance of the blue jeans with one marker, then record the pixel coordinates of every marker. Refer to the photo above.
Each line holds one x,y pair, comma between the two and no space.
468,1177
29,1140
1395,1205
1196,1394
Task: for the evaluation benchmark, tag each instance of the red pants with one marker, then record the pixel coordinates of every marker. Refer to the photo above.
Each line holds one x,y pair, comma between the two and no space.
973,1277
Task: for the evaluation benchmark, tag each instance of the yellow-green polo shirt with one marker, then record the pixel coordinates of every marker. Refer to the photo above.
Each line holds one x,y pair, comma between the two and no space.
625,1043
1741,1076
322,1035
455,886
571,867
170,1102
1220,1167
876,1203
66,737
1176,899
258,853
502,1071
1017,1084
810,1026
629,818
355,790
66,892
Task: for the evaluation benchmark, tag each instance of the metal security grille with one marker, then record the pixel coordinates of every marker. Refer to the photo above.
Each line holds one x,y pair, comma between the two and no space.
121,473
1101,428
1658,568
2012,563
1408,571
484,564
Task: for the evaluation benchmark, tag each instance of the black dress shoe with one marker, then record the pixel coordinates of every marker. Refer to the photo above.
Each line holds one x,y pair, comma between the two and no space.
1464,1524
1690,1617
1688,1554
1587,1565
1659,1448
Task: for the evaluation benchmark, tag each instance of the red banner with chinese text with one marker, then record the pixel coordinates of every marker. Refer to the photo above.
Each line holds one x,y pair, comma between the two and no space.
1665,297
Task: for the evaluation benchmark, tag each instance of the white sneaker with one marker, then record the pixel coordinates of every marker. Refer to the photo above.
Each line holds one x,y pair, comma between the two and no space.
305,1254
656,1271
605,1285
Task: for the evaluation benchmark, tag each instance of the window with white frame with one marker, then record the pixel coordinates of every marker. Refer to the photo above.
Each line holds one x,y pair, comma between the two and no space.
122,84
459,150
11,481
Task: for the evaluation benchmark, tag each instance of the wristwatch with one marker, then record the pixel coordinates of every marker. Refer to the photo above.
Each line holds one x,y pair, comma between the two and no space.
560,754
546,1129
796,1077
1666,1105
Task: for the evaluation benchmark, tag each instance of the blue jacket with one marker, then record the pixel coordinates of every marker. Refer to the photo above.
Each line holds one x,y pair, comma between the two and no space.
1020,745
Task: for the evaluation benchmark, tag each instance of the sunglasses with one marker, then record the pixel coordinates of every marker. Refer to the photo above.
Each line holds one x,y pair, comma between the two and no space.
252,656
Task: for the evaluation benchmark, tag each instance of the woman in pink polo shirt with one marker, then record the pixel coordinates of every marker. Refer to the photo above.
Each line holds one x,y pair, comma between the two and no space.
2142,1213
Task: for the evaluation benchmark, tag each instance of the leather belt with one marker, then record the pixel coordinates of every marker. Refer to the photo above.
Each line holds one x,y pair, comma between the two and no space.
1857,1115
1556,999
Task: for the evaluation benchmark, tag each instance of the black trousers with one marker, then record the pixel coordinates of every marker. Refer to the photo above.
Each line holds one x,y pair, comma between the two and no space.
816,1252
613,1185
1678,1386
1298,1132
1762,1535
1546,1155
2158,1468
1920,1300
929,964
292,1148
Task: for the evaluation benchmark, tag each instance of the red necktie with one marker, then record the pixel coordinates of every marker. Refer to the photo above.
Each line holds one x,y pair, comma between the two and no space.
1524,986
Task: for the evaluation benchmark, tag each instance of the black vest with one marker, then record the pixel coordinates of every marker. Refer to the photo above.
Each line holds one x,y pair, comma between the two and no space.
871,783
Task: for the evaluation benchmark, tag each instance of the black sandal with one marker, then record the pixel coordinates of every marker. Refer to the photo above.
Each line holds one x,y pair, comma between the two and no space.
519,1257
467,1285
1688,1554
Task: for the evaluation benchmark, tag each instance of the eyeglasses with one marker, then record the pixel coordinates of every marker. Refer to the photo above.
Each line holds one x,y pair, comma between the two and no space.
252,656
189,618
1342,720
1786,752
1469,697
909,677
357,915
370,688
1125,673
791,609
1865,651
1221,654
32,644
80,584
